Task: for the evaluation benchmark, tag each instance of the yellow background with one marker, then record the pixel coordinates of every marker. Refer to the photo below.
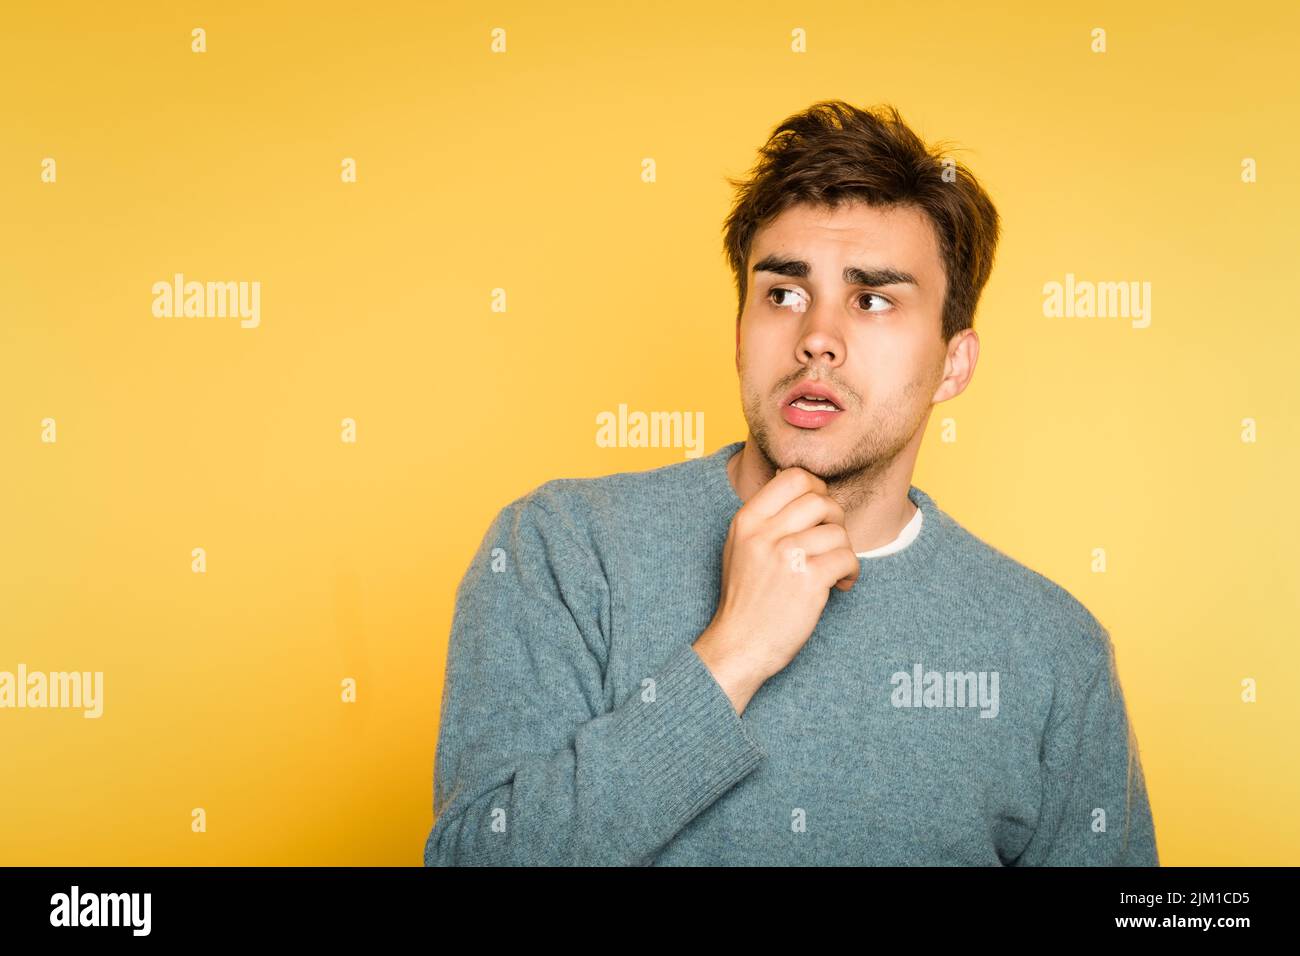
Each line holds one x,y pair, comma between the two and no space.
522,171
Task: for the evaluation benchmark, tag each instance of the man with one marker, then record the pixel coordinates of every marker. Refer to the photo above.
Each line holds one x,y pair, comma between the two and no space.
784,652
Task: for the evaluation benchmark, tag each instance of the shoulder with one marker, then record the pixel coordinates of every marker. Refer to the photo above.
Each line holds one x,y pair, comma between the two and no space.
1040,609
597,511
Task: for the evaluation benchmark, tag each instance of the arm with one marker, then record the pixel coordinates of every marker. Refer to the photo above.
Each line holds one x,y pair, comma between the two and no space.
534,766
1091,762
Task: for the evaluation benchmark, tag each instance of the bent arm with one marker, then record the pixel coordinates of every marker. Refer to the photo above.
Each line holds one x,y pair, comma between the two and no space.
532,768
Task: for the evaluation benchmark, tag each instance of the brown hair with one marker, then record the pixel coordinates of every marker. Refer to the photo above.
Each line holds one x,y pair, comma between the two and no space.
833,152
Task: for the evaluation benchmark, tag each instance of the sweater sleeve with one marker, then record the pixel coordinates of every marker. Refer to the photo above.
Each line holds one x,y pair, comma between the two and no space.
533,765
1094,809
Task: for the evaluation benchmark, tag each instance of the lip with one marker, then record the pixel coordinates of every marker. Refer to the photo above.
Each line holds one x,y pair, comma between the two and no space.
801,418
815,391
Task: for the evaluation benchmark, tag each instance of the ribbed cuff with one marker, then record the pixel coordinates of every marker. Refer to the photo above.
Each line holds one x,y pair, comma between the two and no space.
688,743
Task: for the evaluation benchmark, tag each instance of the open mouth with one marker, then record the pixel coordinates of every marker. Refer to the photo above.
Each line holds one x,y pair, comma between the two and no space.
811,404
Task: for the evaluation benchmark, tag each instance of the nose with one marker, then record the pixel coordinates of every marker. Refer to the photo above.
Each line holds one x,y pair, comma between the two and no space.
819,342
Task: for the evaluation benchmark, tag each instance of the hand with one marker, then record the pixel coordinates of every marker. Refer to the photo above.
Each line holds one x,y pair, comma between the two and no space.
786,548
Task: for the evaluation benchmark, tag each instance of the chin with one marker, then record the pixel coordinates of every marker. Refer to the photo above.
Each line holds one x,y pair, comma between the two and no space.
811,450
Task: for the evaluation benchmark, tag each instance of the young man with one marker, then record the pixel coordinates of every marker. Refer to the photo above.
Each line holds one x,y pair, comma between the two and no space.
784,652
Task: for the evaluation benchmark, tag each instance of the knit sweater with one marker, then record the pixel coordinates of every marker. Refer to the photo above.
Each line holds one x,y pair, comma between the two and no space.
953,708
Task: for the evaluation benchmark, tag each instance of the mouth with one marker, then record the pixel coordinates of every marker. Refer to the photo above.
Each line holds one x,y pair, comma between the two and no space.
810,410
812,395
810,403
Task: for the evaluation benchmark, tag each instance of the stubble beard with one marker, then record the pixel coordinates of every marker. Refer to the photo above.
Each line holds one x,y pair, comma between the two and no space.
853,479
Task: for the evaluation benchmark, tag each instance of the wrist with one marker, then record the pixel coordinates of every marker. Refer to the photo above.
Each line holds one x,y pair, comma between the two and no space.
732,666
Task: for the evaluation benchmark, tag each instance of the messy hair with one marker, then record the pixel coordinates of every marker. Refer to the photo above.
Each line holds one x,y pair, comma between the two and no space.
833,153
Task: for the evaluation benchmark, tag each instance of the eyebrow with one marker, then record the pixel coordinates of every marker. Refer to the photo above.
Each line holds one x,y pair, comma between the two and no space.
853,275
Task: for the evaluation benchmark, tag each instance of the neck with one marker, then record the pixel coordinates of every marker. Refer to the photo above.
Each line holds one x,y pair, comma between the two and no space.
876,505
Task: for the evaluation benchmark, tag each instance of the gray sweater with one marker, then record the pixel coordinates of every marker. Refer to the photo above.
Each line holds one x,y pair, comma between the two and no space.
953,708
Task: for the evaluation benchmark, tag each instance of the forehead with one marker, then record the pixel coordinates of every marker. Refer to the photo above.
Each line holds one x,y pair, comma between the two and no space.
854,233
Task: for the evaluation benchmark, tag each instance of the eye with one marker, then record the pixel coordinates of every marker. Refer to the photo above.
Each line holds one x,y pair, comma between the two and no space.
878,298
798,303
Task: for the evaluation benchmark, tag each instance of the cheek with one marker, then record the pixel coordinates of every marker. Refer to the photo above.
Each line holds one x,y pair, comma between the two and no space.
757,332
885,364
761,345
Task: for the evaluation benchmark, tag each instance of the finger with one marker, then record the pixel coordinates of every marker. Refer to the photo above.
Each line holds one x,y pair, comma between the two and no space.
806,511
841,564
813,541
787,485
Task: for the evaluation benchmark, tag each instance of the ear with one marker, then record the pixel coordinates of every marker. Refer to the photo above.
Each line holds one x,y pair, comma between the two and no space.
959,366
